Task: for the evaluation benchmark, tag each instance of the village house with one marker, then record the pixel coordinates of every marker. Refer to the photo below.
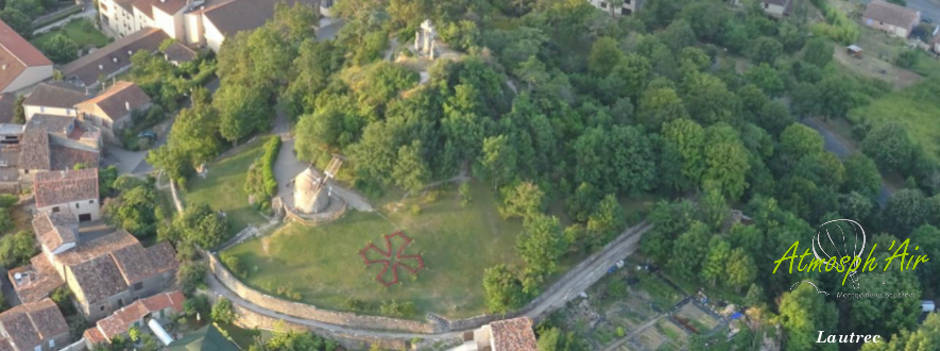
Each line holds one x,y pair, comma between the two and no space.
33,326
147,313
21,64
104,63
935,44
105,269
626,7
54,99
776,8
193,22
895,19
73,191
111,110
505,335
54,143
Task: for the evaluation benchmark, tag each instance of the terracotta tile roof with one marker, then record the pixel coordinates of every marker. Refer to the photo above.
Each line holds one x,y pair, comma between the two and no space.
102,62
35,150
57,187
177,52
10,156
121,320
16,54
37,280
51,124
5,345
137,263
64,158
98,278
93,336
513,335
7,106
891,14
55,230
29,324
100,246
118,101
55,94
237,15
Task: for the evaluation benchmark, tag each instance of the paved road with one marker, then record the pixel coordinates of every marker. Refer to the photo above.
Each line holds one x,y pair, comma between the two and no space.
565,289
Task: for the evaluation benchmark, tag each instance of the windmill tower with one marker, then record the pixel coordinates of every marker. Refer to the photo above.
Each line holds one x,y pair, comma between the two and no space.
311,190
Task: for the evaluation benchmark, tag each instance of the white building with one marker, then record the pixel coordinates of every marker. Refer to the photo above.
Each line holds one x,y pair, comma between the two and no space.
54,99
626,6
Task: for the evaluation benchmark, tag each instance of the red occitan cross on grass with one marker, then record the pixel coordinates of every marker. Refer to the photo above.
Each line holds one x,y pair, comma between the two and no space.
392,258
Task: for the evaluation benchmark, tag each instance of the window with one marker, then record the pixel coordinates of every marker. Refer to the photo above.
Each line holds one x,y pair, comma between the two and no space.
55,209
38,348
138,285
603,5
101,308
91,201
52,343
76,205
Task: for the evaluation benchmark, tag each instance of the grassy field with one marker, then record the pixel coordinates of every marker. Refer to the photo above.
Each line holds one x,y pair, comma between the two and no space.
322,264
915,107
82,31
224,186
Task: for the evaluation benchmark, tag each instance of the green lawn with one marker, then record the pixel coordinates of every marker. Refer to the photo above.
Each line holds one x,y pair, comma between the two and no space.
323,265
915,107
82,31
224,187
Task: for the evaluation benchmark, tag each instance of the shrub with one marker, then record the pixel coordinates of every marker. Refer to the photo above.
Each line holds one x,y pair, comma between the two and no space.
223,312
261,182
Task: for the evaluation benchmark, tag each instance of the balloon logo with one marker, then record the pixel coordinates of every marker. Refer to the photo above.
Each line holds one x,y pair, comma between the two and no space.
839,238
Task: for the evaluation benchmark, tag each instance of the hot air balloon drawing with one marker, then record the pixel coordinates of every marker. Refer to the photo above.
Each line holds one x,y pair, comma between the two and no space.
839,238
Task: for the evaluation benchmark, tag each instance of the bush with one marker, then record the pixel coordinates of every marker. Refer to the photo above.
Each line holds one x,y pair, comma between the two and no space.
223,312
906,59
399,309
233,263
190,276
261,182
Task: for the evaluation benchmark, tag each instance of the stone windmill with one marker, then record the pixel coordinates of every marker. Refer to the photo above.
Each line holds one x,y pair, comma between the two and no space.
311,190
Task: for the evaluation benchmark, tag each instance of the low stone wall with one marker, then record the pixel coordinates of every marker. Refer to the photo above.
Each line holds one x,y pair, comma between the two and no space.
250,320
306,311
315,219
75,346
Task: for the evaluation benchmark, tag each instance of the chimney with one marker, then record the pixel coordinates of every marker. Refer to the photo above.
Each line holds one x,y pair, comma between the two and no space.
4,67
127,105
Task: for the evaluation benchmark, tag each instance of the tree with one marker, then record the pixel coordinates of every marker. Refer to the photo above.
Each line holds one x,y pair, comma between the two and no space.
524,200
818,51
740,271
905,210
16,249
863,175
907,58
688,139
890,146
502,289
242,111
498,159
713,267
803,312
542,244
928,237
921,339
198,225
605,54
707,99
606,221
618,160
765,50
713,208
59,48
134,210
887,315
19,113
689,251
411,172
767,78
190,276
659,105
19,21
726,162
223,312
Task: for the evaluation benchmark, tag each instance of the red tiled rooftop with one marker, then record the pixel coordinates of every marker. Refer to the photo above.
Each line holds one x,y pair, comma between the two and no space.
513,335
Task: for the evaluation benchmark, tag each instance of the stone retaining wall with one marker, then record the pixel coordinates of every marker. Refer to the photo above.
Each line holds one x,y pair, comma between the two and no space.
306,311
250,320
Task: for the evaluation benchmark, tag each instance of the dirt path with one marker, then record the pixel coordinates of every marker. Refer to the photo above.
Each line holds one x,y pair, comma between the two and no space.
558,294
